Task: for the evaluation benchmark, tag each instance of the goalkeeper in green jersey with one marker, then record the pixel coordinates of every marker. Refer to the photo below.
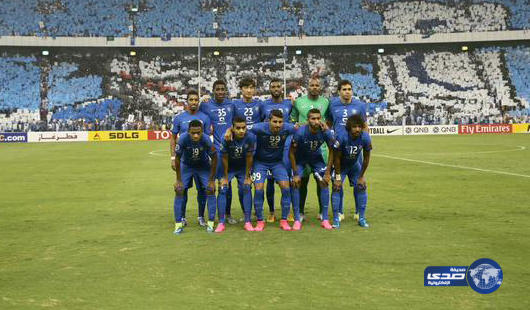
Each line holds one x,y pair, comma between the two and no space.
301,107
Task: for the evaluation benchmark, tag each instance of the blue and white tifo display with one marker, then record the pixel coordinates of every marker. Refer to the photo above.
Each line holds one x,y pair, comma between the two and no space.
484,276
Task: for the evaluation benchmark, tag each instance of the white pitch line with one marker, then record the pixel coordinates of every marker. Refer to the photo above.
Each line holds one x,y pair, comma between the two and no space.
519,148
157,153
453,166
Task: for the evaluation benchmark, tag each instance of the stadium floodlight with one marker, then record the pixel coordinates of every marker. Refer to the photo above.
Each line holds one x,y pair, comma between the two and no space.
380,50
298,52
216,53
464,48
132,53
45,53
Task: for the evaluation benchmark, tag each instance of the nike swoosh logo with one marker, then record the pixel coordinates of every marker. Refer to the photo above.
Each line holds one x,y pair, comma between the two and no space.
391,131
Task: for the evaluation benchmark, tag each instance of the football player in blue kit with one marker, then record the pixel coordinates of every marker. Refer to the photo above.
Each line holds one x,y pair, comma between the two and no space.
349,145
193,153
237,160
180,126
305,150
220,111
275,102
248,107
339,110
271,138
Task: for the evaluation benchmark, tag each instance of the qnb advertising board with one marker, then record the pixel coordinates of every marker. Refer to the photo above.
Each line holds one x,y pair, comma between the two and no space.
431,130
129,135
159,135
13,137
484,128
58,136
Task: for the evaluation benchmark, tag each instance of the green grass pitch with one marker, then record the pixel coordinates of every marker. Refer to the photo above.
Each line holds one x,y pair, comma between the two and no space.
89,226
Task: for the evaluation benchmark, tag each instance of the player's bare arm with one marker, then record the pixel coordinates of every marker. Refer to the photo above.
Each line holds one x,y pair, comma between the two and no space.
172,144
178,182
224,180
292,158
366,162
249,162
229,134
211,182
337,182
331,159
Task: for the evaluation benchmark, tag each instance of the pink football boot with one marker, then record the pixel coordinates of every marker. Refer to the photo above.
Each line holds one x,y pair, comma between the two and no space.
325,224
297,225
284,225
248,226
220,228
260,226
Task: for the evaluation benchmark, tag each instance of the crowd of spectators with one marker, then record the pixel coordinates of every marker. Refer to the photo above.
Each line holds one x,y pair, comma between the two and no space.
423,17
113,90
242,18
19,77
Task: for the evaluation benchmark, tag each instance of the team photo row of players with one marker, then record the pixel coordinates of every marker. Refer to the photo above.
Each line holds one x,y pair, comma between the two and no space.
275,141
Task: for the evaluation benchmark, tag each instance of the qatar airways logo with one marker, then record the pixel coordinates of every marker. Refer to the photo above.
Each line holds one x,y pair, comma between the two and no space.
478,129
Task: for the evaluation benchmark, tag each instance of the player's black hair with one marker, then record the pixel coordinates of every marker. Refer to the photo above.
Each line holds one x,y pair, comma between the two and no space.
194,123
275,80
218,82
238,119
192,92
247,82
342,83
277,113
353,120
314,111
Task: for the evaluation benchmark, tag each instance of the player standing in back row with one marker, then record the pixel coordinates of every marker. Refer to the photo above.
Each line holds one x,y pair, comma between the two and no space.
220,111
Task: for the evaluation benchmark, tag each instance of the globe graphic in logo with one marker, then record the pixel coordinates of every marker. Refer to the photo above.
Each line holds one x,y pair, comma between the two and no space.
484,276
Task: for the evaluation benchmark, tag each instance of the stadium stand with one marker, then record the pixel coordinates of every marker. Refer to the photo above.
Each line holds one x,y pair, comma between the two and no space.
61,85
240,18
422,17
415,86
19,77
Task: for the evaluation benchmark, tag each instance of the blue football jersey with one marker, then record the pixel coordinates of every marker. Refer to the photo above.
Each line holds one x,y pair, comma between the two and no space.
238,149
195,154
351,148
251,112
268,105
339,112
269,148
181,122
308,144
220,115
